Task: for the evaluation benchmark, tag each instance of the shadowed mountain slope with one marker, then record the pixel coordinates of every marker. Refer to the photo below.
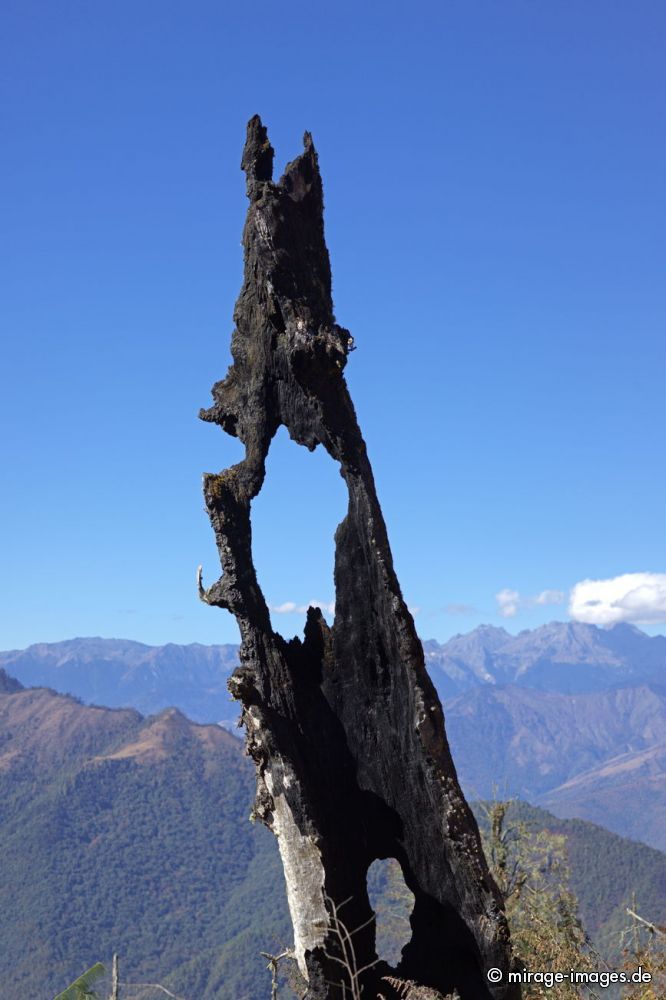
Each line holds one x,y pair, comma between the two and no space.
626,792
599,756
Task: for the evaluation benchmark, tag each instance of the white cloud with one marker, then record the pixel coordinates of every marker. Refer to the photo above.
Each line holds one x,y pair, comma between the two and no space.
631,597
510,602
287,608
291,608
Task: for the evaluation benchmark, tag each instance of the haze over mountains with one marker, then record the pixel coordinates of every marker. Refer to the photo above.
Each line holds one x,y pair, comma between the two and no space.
573,716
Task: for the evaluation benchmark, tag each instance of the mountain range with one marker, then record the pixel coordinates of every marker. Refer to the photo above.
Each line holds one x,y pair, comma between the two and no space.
573,716
119,672
569,657
131,834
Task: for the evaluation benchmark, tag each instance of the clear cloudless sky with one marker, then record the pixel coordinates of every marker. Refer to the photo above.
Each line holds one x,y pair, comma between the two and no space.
495,211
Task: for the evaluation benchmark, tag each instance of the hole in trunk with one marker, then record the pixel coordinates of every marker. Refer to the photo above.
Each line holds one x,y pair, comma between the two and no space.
294,518
393,903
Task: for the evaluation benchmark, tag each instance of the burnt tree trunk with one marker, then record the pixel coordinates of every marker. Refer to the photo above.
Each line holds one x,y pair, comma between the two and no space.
345,727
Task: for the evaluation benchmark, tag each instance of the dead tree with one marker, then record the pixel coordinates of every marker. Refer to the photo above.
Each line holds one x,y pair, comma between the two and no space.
345,727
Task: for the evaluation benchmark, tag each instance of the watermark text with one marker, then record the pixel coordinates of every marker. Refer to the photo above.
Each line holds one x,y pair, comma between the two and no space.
550,979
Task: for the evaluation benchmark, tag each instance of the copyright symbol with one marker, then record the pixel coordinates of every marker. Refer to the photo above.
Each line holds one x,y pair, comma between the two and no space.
494,975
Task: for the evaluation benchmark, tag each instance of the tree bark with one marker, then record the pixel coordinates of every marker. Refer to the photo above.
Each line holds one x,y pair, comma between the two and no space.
345,727
114,978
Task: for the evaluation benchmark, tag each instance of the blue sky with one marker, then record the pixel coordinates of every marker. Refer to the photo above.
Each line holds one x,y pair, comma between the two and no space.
494,180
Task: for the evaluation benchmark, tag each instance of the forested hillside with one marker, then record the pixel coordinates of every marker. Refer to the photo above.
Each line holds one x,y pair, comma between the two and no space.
131,834
125,834
608,873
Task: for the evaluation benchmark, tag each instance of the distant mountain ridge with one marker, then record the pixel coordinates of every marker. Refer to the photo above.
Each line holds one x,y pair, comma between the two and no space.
573,716
120,672
564,657
567,657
